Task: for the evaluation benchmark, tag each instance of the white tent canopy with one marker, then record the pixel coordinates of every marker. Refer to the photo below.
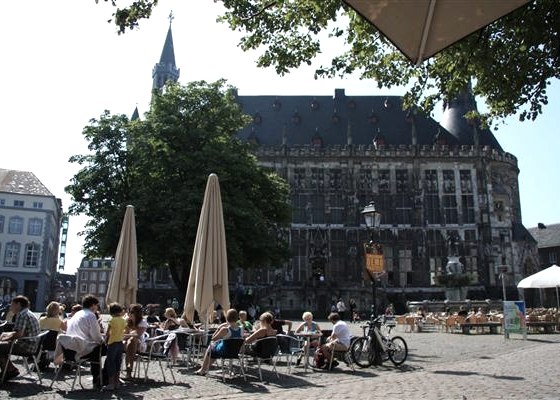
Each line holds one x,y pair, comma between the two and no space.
547,278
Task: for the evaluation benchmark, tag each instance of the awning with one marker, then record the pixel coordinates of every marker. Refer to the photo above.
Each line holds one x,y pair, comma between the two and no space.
422,28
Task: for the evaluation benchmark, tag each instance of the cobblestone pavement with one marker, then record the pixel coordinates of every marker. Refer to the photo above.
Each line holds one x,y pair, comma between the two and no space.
440,366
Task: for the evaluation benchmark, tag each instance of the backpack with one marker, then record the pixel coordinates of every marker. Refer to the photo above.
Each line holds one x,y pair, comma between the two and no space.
319,358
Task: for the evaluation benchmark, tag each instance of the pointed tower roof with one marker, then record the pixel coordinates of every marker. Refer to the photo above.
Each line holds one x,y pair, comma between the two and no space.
135,115
454,121
168,52
166,70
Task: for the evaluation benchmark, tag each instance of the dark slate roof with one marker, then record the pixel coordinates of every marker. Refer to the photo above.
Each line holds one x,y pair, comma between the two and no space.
521,234
168,53
305,117
22,182
454,122
547,237
135,114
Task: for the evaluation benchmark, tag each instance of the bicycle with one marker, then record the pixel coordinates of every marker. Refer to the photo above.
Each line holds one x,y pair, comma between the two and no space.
375,347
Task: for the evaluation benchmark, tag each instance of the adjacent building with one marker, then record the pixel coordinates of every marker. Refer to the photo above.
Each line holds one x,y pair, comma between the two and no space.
30,221
548,242
93,277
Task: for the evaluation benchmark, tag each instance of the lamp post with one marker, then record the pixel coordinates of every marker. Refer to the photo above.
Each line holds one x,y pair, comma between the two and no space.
373,251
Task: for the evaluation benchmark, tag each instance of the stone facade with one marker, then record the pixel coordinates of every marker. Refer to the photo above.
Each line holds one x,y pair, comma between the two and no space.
30,219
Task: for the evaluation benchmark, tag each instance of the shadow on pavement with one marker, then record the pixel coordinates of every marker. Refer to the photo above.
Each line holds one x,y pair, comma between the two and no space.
469,373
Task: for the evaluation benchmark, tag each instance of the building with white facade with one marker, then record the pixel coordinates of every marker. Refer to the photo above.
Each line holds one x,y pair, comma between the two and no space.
30,218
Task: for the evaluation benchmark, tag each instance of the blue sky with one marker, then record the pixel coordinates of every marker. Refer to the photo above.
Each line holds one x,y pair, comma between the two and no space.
63,64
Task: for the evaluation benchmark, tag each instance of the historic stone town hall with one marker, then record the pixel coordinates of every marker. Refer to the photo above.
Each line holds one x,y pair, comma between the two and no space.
444,189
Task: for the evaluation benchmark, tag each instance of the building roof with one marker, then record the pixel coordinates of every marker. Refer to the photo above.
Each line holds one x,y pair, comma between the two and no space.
168,52
546,235
300,120
22,182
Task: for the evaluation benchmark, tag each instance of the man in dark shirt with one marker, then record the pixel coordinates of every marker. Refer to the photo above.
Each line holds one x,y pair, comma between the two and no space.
462,312
278,324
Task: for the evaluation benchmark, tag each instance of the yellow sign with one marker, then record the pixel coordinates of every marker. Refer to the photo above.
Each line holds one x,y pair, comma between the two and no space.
375,263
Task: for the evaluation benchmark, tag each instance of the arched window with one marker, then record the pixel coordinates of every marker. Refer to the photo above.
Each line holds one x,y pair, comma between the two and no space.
15,225
32,255
11,256
35,226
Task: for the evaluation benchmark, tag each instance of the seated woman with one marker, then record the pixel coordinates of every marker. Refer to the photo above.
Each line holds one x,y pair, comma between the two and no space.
265,330
216,349
134,336
171,322
309,326
52,321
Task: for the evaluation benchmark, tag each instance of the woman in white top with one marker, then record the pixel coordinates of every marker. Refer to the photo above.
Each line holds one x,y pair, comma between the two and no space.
135,339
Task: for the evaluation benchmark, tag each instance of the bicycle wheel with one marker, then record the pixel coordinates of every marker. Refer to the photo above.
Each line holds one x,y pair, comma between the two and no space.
360,352
398,350
385,354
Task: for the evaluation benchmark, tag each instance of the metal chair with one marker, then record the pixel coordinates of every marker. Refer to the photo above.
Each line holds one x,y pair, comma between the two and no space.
158,349
342,355
70,362
264,350
232,351
289,346
26,355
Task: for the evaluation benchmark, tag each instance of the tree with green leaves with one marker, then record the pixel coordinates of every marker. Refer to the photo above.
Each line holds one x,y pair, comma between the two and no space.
161,165
510,62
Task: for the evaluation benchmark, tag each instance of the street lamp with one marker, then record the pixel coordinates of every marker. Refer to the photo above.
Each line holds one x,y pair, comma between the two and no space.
373,251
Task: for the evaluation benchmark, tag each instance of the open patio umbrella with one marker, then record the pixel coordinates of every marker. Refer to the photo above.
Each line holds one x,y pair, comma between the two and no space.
547,278
422,28
208,279
123,284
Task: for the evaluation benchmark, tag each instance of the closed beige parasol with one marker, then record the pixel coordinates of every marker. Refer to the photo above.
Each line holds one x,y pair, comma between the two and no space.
123,284
208,279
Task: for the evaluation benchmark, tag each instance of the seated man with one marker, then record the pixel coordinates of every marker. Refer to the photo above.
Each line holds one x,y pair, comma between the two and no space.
278,324
339,340
25,324
85,326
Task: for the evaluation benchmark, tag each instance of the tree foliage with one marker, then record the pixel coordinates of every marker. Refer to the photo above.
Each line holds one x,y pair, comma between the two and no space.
511,62
161,165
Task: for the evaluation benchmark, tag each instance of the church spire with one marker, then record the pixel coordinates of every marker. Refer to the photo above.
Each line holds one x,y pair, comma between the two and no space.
166,69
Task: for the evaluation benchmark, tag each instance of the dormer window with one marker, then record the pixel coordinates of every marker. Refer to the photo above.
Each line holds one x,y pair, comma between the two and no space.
296,118
257,119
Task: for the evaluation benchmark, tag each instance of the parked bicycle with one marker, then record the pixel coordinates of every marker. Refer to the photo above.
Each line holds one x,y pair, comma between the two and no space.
377,345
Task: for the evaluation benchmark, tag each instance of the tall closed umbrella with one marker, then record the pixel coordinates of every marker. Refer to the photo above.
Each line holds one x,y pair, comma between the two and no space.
208,279
547,278
123,284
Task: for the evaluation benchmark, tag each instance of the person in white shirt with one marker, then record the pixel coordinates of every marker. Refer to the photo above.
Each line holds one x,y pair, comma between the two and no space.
84,325
339,340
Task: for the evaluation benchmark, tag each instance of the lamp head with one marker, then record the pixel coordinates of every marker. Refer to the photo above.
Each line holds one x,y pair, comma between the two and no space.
371,215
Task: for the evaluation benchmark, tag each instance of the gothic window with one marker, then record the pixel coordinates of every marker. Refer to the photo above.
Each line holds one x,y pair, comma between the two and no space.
336,209
384,185
448,181
466,182
31,255
437,250
299,178
431,181
317,178
467,202
403,209
403,185
335,179
432,212
11,255
15,225
299,204
317,209
450,209
35,226
365,180
384,203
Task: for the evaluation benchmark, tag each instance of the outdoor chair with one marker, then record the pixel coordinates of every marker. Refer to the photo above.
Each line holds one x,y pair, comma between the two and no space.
158,349
288,347
233,350
342,355
71,363
26,356
47,349
264,350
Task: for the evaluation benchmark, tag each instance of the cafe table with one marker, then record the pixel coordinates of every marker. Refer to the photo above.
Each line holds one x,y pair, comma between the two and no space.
308,336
